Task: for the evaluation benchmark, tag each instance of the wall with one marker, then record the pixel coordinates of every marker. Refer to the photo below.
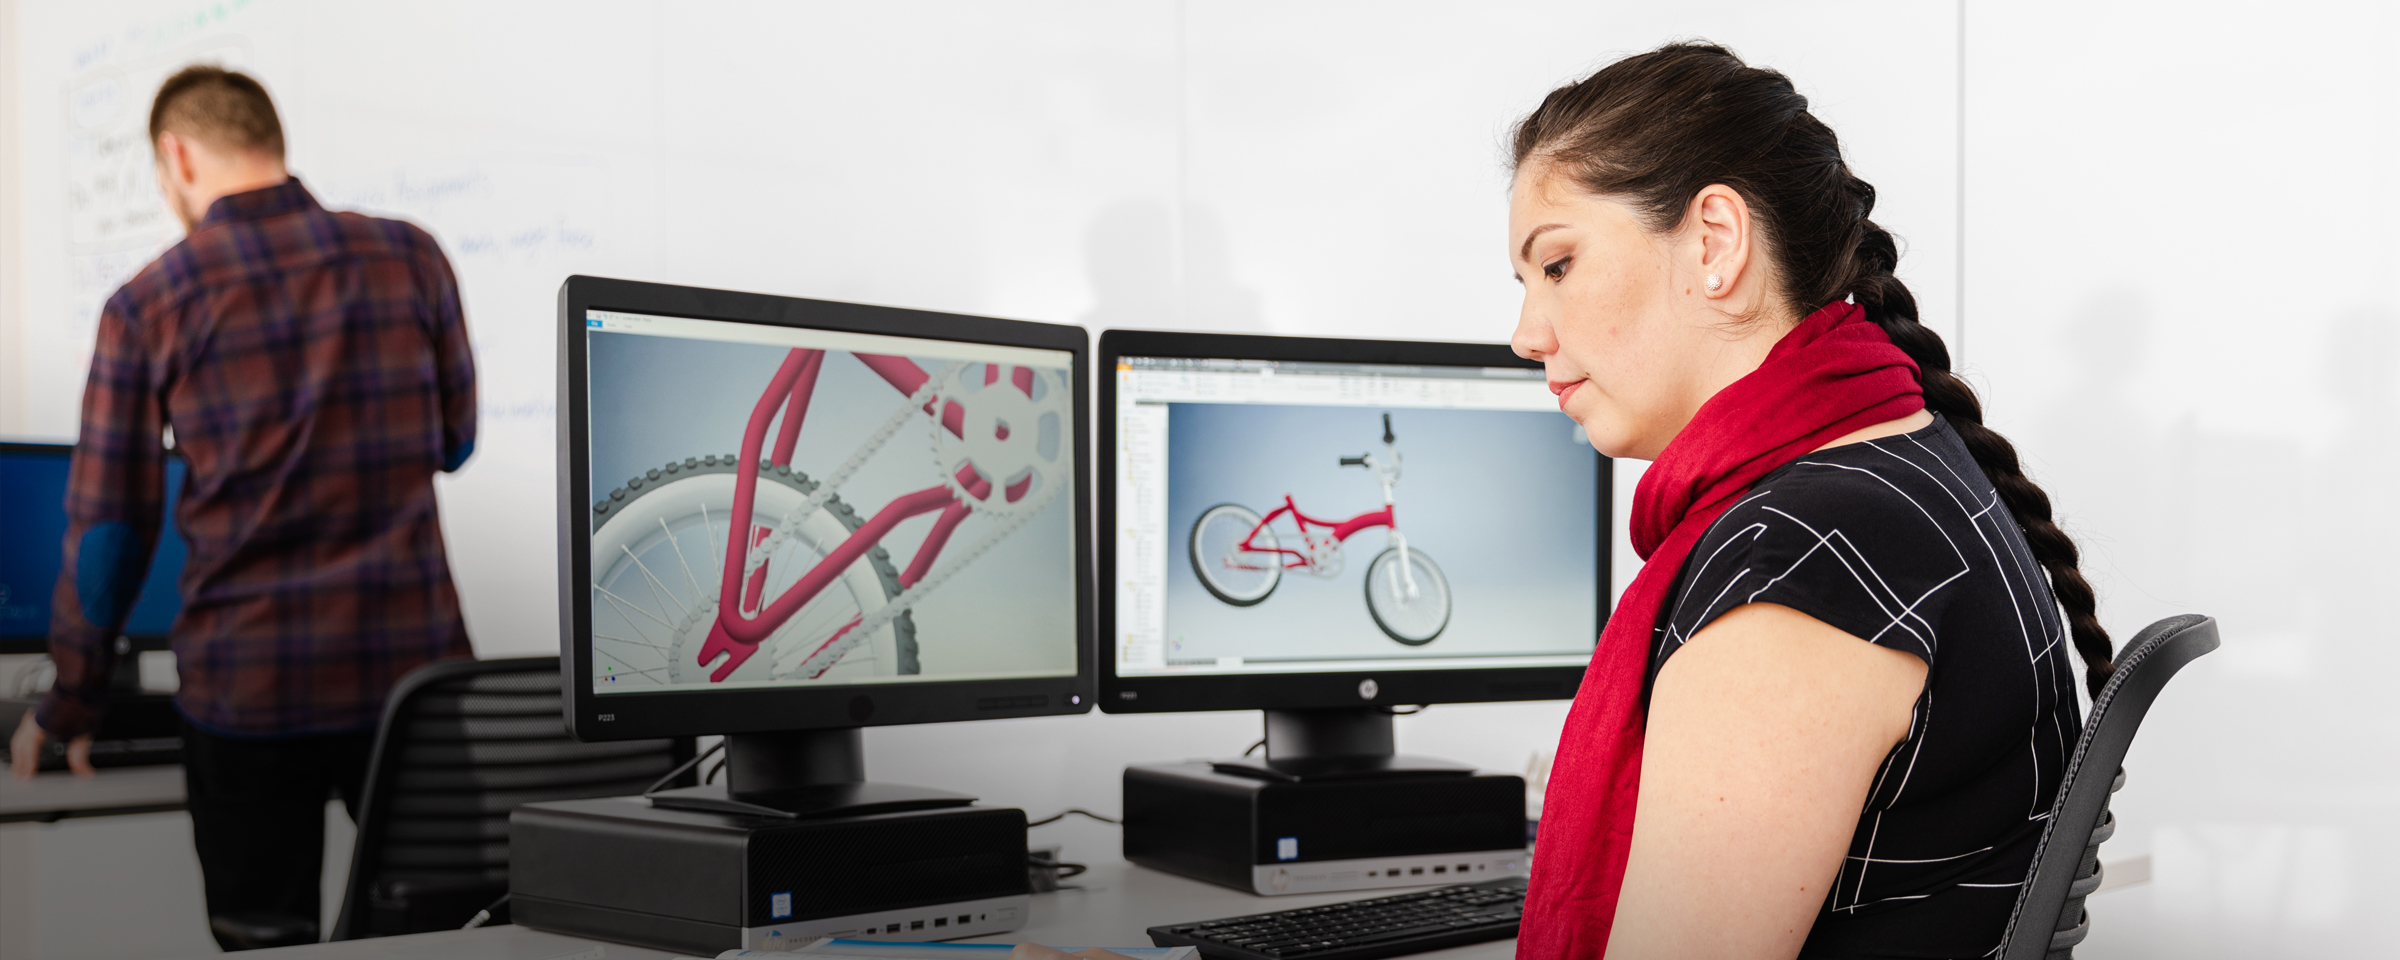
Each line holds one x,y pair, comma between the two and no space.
12,258
2178,235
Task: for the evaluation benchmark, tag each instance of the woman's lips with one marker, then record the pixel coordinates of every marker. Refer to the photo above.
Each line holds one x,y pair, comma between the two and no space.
1565,390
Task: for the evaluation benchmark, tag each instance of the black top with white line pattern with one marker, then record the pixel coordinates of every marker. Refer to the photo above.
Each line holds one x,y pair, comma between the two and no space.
1902,542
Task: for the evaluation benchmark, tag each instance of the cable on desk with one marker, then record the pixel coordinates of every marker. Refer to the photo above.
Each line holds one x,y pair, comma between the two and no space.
1064,869
712,773
1254,748
680,769
1079,811
484,915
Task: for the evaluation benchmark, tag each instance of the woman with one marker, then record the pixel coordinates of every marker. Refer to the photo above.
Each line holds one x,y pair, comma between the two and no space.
1828,716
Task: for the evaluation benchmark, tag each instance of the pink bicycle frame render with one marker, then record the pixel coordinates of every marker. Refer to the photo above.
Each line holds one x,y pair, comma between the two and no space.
741,624
1341,531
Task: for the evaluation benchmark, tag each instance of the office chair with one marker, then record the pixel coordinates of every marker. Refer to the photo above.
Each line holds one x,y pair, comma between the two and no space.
463,742
2049,919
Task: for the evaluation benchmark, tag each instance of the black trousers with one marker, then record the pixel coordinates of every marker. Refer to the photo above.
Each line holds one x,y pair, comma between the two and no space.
258,822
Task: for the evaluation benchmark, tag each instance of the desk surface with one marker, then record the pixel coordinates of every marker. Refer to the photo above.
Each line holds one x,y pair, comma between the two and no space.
1116,902
58,795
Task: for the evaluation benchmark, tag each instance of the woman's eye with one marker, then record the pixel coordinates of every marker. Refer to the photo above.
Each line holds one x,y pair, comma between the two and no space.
1556,268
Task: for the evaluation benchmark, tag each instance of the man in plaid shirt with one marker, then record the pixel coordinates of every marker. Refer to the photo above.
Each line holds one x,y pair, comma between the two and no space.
314,372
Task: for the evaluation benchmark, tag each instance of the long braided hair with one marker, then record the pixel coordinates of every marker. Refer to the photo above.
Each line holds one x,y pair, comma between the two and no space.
1655,128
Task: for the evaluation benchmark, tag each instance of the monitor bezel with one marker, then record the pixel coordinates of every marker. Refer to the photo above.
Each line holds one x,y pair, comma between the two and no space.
623,716
17,644
1329,689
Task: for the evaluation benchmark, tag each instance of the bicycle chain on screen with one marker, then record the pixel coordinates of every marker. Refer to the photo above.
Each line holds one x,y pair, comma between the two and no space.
809,665
784,528
792,661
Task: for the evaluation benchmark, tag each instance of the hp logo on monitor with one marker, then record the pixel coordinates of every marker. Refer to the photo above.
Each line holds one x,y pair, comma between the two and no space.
1367,689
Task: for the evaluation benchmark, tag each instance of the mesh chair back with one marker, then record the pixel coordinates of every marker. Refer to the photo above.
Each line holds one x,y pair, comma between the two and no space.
2049,919
462,743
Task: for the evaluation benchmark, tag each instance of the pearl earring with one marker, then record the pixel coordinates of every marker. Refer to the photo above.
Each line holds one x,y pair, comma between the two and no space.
1714,282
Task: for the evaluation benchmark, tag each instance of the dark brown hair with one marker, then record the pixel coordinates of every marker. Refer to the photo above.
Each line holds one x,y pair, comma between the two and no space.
219,107
1654,129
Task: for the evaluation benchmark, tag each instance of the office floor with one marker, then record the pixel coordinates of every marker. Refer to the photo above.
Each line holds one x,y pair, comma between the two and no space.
115,888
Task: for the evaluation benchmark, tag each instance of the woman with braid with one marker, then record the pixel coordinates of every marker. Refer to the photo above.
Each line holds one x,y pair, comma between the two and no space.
1828,716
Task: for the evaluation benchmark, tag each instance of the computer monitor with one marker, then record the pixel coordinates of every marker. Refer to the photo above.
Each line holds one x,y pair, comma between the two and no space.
784,519
33,530
1325,528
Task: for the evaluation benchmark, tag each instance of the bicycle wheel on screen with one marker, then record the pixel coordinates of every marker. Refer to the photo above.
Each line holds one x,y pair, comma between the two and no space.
1416,620
657,556
1237,576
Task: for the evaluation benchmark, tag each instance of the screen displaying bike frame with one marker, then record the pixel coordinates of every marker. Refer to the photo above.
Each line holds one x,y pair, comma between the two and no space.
1290,517
780,507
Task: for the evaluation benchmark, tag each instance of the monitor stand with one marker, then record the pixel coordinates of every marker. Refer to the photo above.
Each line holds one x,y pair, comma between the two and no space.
802,774
1337,744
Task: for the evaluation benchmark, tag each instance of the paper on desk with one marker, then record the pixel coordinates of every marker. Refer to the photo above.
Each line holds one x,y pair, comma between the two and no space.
832,948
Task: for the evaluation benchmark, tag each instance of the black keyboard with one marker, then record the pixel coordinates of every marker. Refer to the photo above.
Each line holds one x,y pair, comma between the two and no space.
1361,929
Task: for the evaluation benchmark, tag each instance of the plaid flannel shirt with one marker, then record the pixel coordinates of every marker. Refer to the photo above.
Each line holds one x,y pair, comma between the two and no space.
315,370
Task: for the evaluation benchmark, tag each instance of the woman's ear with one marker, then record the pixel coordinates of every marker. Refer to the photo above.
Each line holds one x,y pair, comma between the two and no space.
1723,241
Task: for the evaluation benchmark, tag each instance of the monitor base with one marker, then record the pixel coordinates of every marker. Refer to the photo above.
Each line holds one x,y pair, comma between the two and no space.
1340,768
852,798
1336,744
800,775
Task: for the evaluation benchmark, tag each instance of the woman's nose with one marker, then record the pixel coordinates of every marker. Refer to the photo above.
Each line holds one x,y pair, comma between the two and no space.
1533,339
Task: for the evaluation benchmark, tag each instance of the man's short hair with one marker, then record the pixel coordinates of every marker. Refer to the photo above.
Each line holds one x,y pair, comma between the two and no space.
219,107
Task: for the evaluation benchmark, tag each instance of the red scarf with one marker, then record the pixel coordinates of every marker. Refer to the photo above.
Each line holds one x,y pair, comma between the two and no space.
1832,374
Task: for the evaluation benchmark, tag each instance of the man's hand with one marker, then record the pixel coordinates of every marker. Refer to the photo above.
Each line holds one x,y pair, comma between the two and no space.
25,750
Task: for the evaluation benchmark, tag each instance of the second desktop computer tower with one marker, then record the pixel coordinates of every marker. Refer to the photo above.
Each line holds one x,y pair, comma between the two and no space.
1310,821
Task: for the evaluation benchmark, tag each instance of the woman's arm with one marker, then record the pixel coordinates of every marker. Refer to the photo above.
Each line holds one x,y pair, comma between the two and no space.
1765,733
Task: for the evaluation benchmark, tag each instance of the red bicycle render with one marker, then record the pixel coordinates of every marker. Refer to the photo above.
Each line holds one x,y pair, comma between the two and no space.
806,579
1240,557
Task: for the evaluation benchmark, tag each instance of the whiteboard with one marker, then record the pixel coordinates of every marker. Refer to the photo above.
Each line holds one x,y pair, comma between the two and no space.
1330,169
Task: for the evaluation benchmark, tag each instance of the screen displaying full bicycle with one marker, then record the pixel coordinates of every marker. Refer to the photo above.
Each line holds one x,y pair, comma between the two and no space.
1282,517
779,506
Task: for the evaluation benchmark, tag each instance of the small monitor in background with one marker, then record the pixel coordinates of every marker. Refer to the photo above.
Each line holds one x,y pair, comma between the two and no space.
1326,530
33,529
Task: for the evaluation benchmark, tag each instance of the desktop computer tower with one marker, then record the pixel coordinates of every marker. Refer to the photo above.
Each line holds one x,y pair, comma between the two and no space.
703,882
1274,836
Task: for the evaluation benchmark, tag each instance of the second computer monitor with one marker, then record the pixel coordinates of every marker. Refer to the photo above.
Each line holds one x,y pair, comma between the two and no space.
1300,524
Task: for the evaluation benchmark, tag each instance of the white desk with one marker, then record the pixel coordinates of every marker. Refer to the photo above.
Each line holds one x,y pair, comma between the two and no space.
1117,902
55,796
